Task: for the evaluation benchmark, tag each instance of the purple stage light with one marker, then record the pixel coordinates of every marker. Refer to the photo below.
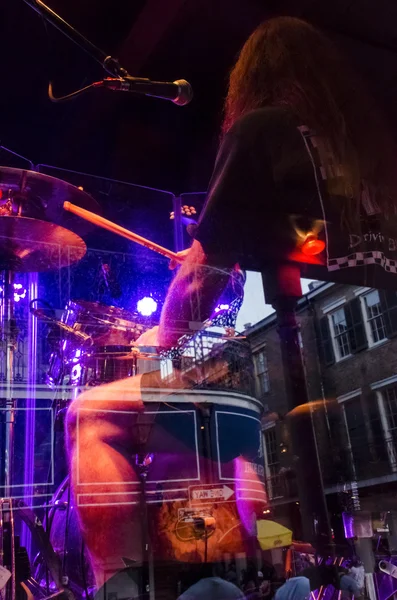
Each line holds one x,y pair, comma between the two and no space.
19,292
146,306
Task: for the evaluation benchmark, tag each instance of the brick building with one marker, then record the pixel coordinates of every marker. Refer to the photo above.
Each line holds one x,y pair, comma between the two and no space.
349,344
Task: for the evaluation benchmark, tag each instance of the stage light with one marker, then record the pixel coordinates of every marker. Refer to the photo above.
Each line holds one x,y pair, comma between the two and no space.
222,307
19,292
312,245
77,356
75,374
146,306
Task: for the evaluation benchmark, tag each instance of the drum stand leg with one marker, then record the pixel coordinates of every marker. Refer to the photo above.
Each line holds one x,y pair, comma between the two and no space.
29,453
143,463
283,289
9,335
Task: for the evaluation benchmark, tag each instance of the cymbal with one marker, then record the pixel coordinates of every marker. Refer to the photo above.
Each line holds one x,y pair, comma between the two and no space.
43,196
32,245
117,318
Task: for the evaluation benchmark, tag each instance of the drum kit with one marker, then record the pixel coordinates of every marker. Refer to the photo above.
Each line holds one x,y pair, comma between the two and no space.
42,221
96,346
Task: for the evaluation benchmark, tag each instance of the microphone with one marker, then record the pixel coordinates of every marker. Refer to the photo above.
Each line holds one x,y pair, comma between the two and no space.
179,92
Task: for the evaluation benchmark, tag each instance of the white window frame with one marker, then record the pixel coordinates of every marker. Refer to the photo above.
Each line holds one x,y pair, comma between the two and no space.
335,345
367,325
260,374
269,476
391,446
342,400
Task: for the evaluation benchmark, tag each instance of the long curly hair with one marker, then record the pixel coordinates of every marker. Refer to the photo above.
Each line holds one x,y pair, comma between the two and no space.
287,62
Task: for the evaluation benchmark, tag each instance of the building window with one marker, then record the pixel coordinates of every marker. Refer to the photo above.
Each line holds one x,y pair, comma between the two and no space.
358,435
390,396
340,331
272,464
374,317
262,373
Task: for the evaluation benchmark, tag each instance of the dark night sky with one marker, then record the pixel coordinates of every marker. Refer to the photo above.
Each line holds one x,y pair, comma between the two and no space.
150,141
147,141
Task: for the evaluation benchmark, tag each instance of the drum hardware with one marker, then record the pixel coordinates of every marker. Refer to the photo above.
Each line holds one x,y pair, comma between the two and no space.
80,335
61,505
97,327
30,212
108,334
109,281
143,462
34,233
41,197
9,332
31,587
21,250
100,361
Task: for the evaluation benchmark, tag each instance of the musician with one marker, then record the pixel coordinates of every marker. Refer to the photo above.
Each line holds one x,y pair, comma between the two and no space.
299,134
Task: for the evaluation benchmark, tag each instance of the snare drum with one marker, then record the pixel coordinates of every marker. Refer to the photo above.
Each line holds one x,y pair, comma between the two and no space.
108,326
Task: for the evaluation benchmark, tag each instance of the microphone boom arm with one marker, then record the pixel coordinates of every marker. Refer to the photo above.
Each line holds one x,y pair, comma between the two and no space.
109,64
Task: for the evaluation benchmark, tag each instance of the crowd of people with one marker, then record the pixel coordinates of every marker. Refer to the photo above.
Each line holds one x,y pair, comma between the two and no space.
348,582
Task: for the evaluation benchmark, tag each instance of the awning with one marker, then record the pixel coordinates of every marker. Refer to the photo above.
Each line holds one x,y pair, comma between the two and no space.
272,535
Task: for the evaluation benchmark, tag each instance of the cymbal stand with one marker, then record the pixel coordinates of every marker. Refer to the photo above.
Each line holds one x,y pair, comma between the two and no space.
143,462
9,334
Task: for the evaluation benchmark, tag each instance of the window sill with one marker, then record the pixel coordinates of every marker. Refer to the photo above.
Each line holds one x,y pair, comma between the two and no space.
339,360
370,347
377,344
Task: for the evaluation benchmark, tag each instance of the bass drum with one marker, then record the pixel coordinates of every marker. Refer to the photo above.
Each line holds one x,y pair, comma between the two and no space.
63,529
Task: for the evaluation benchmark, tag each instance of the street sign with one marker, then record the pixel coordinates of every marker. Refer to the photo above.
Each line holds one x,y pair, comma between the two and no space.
210,494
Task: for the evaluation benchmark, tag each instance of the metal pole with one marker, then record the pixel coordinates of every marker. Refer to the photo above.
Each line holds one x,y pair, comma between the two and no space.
283,289
178,228
109,63
30,424
8,335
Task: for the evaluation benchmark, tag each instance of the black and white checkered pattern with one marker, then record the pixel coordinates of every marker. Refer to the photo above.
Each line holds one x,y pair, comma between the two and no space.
360,259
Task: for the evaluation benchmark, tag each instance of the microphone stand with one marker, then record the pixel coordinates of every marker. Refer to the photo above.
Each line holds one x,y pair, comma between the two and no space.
109,64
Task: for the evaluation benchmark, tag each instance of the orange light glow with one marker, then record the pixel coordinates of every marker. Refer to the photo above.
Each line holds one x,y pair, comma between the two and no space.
312,246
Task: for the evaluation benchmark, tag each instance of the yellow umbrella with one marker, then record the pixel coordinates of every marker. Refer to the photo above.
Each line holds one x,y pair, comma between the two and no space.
272,535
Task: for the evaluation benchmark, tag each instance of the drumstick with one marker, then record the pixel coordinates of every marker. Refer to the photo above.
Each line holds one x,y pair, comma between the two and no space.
118,230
